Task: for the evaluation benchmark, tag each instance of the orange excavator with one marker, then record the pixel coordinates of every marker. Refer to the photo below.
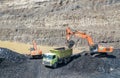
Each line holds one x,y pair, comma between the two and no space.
34,52
93,47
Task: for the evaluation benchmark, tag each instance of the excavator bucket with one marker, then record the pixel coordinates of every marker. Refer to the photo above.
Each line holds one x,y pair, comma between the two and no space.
70,43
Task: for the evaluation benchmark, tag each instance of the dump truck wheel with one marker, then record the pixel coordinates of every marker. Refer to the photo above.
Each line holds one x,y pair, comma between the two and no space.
66,60
55,65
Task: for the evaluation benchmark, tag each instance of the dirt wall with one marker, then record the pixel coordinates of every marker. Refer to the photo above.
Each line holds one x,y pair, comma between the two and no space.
57,36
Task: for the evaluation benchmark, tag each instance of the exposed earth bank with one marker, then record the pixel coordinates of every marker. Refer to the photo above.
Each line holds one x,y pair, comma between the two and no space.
46,21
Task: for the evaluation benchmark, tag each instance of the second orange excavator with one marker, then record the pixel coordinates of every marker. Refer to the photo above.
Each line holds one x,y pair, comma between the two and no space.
93,47
34,52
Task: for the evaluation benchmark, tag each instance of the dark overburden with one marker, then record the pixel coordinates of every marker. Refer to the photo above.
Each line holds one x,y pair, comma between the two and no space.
18,66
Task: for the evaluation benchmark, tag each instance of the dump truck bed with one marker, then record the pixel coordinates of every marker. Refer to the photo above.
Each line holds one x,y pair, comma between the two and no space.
62,52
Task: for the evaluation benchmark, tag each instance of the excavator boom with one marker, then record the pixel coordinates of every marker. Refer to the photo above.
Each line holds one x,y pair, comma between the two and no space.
34,45
69,33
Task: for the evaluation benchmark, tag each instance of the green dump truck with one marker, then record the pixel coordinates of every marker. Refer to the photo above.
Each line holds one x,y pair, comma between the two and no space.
56,56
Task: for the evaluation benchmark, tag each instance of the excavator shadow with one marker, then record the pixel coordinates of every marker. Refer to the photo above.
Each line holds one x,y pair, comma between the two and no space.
104,55
35,57
114,54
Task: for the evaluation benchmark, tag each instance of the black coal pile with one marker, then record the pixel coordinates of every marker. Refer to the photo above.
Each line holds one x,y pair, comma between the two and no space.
106,66
9,57
88,64
103,66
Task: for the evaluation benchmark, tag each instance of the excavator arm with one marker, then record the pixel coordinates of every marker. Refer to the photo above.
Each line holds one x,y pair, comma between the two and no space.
34,45
85,36
69,33
93,47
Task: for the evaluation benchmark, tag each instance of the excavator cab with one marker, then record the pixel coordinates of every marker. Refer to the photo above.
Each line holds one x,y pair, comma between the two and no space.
94,48
100,49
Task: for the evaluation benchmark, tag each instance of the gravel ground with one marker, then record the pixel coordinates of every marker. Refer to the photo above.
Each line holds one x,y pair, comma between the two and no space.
82,67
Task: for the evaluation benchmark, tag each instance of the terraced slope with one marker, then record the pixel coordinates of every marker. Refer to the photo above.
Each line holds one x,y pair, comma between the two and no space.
24,20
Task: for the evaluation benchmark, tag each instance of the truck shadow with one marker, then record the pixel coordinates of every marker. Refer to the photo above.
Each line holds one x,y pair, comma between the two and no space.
100,55
72,58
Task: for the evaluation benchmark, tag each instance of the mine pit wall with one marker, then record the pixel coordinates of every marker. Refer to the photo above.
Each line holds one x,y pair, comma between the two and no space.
56,37
99,18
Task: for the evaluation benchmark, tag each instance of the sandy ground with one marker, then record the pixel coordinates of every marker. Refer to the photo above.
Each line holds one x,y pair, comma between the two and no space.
23,48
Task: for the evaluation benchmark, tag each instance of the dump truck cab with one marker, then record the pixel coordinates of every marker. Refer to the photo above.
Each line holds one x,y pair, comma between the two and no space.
49,59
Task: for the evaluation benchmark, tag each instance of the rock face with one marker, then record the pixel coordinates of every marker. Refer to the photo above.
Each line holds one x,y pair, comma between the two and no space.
45,21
